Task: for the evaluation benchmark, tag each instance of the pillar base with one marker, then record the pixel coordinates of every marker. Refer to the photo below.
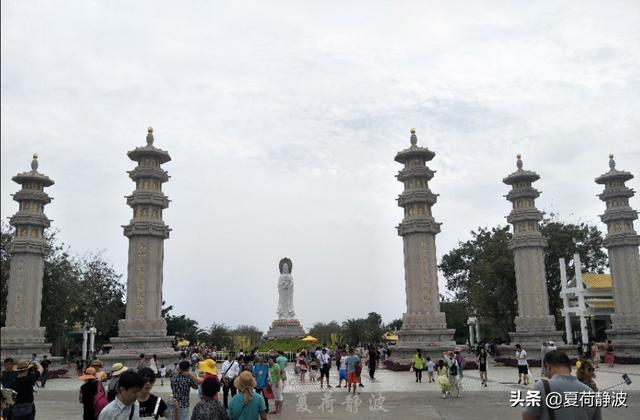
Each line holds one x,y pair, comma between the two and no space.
142,328
431,342
127,350
285,328
626,342
21,343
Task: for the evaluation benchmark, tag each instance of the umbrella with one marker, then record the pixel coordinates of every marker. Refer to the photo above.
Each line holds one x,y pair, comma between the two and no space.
310,339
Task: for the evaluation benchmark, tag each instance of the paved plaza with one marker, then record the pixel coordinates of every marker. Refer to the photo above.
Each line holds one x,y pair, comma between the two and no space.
394,395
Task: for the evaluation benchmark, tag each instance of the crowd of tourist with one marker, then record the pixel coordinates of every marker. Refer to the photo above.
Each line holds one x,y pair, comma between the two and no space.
252,384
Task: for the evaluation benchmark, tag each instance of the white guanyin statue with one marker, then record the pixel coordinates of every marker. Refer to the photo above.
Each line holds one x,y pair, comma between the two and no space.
285,290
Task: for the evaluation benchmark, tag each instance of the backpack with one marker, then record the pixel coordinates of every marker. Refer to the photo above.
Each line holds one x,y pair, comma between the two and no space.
100,400
453,369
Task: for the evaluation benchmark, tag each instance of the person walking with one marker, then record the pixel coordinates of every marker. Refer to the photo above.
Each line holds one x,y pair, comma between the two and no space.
181,385
282,361
352,363
275,377
125,406
543,350
595,354
45,370
152,406
88,393
609,357
230,370
26,378
372,361
247,404
443,378
142,363
454,372
153,365
112,388
482,366
342,372
261,373
431,367
209,407
558,369
585,372
163,373
325,366
523,365
417,363
302,365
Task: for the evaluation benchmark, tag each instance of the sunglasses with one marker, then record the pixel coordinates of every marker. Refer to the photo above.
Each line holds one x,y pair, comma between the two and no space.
149,381
590,370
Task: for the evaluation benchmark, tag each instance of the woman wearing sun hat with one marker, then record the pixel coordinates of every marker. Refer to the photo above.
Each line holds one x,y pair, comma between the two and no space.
246,404
88,391
112,389
24,408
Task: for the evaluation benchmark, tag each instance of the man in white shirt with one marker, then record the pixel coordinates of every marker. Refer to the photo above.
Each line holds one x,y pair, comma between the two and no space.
230,369
325,366
125,406
523,365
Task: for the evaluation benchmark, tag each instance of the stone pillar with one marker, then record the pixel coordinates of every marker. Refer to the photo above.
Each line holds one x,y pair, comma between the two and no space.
23,334
423,325
534,324
144,330
622,242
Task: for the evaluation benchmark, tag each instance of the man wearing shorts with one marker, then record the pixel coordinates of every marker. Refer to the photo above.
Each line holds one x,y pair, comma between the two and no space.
352,375
523,365
342,371
325,366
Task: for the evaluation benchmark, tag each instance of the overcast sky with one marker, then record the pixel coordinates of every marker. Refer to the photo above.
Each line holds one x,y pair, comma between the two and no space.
283,119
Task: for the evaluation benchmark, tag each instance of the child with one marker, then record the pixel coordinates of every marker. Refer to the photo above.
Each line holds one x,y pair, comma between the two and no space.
443,378
313,372
163,373
430,369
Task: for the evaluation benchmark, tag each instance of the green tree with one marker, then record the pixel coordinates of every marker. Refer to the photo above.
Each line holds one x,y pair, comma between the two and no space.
563,241
101,301
395,325
374,328
219,336
250,332
323,331
480,272
456,313
354,331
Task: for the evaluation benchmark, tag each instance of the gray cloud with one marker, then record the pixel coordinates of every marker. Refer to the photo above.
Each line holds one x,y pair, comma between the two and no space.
283,120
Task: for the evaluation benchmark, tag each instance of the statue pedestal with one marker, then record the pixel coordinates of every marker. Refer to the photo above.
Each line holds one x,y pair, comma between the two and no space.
285,328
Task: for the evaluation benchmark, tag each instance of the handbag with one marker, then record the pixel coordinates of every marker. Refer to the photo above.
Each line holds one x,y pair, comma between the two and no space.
100,400
268,392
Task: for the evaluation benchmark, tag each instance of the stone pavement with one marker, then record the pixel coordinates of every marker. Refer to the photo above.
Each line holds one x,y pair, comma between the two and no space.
395,392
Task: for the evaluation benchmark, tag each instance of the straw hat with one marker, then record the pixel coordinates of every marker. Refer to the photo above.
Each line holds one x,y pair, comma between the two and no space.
118,368
208,366
244,381
89,373
23,364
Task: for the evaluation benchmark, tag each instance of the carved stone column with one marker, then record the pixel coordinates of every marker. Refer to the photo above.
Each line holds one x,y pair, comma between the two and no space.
423,325
622,241
23,334
144,330
534,324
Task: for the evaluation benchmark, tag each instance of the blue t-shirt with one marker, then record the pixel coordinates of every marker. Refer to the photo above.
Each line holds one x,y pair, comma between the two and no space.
282,361
351,363
261,373
238,411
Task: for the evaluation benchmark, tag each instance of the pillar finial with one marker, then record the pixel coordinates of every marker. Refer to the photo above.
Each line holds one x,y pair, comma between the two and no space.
34,162
414,138
149,136
519,161
612,163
